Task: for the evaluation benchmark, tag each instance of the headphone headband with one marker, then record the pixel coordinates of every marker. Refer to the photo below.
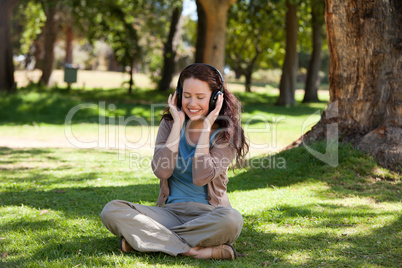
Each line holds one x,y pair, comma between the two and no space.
212,67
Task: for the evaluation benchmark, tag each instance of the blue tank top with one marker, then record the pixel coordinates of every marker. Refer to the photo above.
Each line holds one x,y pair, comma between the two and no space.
181,186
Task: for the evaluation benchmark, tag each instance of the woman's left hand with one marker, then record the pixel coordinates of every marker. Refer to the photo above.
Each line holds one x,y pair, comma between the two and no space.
213,115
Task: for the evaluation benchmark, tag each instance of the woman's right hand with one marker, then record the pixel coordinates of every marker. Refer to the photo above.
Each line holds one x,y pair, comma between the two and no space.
178,116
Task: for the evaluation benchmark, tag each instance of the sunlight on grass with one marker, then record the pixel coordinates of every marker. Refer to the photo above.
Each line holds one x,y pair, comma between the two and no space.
85,79
51,200
36,118
297,210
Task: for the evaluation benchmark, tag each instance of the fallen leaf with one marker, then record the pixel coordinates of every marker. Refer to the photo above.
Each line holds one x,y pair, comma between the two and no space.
44,212
4,255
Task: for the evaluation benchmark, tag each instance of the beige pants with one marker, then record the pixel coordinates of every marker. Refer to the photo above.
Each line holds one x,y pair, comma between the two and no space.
173,228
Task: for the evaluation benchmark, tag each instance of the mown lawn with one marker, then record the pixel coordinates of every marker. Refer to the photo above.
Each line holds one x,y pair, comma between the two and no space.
305,213
298,211
37,117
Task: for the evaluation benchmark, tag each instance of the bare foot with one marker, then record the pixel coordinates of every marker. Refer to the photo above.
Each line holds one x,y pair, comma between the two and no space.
125,246
222,252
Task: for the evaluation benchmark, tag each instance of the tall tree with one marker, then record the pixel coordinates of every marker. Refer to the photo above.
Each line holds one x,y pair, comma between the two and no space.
68,21
170,48
313,81
116,23
7,82
201,32
216,18
125,41
364,39
287,85
248,37
69,44
51,8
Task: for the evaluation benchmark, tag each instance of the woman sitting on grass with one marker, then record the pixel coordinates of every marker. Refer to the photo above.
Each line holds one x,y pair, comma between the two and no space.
198,137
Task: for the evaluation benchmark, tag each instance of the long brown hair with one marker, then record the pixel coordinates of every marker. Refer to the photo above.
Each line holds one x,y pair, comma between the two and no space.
229,115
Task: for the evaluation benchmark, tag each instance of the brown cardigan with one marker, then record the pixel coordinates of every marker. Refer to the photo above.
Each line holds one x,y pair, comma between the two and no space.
207,169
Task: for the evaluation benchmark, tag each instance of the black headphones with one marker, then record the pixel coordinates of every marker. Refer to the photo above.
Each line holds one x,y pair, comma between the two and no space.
214,95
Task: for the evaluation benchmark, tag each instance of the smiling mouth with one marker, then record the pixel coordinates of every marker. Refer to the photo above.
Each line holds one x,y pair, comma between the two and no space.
194,111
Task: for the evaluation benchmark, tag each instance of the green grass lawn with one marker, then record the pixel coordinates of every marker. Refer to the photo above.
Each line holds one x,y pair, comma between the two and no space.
298,211
305,213
37,116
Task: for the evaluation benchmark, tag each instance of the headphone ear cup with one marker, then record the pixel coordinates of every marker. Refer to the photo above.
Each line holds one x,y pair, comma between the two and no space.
213,99
178,96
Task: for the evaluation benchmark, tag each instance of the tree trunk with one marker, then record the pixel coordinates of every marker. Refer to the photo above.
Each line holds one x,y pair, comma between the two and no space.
131,81
248,71
287,85
313,80
216,18
201,32
38,52
69,45
171,44
7,82
247,83
51,27
364,40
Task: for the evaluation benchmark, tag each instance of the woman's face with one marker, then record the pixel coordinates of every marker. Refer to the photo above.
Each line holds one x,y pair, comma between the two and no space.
195,99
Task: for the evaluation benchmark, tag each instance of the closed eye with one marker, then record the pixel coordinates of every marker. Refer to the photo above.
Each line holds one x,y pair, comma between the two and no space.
200,98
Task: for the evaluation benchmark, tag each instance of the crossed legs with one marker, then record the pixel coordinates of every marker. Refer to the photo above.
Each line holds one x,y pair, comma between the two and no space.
190,229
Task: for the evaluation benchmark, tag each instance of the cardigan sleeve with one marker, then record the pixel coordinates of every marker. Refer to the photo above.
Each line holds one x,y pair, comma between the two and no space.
164,159
207,167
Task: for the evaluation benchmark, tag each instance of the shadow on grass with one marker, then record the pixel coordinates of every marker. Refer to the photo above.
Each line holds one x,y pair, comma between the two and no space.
356,175
100,252
77,201
34,105
39,108
257,247
317,249
24,153
257,243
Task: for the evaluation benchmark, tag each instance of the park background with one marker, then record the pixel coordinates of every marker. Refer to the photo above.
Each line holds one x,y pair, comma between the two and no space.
299,208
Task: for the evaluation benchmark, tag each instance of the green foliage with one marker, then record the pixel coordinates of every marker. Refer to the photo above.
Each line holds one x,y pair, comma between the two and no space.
189,36
115,23
305,25
305,30
135,30
32,18
248,34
